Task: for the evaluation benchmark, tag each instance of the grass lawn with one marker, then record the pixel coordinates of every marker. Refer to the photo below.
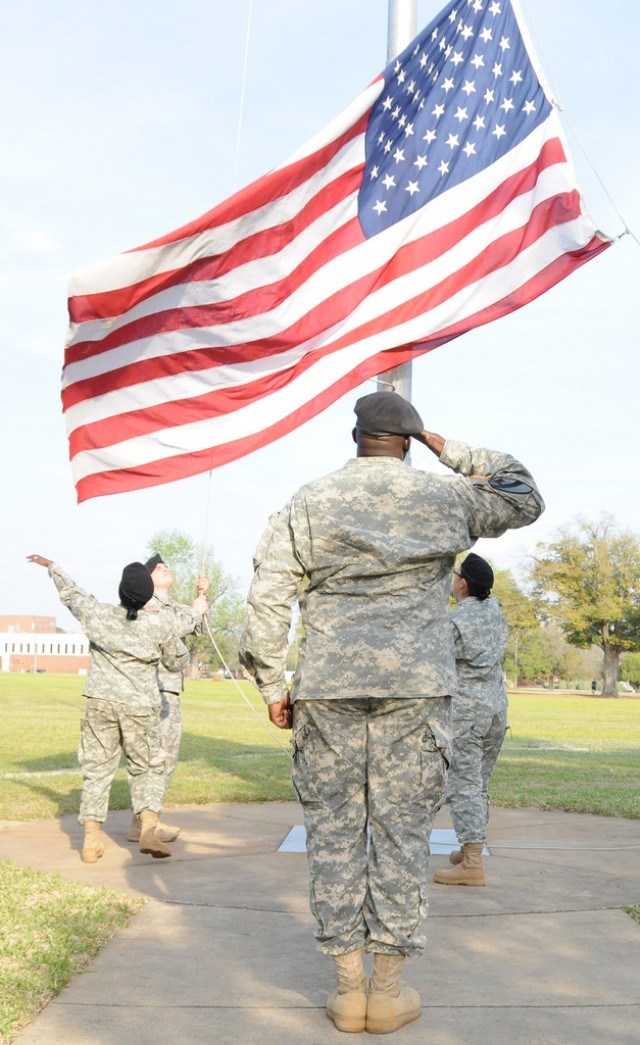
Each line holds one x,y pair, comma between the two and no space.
576,753
50,931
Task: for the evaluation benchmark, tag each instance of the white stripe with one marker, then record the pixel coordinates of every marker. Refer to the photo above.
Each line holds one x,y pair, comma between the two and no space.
268,410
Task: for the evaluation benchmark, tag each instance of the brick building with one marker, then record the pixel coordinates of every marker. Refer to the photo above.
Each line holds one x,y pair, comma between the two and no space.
32,644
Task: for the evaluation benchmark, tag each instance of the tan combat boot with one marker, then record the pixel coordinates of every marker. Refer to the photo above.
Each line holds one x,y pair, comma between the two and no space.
164,832
347,1005
92,845
149,841
390,1004
469,871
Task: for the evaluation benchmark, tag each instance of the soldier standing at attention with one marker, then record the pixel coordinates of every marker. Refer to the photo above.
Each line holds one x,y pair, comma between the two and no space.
369,551
123,701
480,635
183,621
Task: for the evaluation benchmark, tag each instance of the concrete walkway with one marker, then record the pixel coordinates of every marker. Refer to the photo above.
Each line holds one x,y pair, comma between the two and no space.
223,952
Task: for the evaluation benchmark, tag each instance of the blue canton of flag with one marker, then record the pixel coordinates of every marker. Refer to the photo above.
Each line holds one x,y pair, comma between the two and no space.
462,95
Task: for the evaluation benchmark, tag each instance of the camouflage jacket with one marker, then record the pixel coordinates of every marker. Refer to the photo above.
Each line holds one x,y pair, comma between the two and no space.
480,635
124,654
369,551
183,621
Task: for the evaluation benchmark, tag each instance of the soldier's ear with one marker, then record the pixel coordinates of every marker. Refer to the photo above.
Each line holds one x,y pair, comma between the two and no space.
353,435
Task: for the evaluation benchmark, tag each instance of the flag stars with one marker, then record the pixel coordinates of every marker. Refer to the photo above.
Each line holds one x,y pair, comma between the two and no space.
388,146
389,181
452,16
387,103
469,87
380,207
443,168
374,173
499,131
497,70
495,9
461,114
507,105
408,130
423,60
469,149
516,77
412,188
486,36
478,61
420,162
489,95
448,84
453,141
399,155
479,123
528,108
477,6
466,32
401,77
457,58
396,112
438,111
429,137
504,44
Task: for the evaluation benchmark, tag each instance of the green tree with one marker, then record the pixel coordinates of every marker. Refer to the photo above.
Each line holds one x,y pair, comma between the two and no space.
519,611
187,560
588,580
630,669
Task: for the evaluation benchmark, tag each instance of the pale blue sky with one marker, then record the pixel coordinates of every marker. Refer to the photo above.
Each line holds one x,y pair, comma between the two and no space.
119,122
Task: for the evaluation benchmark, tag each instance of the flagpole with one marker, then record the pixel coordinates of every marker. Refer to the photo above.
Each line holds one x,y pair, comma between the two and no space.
401,29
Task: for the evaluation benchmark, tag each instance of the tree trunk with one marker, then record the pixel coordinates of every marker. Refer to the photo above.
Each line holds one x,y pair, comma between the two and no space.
611,662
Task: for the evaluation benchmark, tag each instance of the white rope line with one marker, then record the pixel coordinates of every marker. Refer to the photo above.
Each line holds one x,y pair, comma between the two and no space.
263,723
242,93
555,99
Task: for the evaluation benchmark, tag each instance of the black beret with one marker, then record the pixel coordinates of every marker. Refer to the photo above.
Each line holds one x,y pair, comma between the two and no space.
154,561
387,413
136,586
477,571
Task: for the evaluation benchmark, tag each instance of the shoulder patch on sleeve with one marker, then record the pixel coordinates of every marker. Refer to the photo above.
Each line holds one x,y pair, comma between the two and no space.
511,486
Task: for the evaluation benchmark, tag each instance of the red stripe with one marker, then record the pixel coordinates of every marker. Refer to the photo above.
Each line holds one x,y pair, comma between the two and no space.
107,304
332,310
184,465
223,401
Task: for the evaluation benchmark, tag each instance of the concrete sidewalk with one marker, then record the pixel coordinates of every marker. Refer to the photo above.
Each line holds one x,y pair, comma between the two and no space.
223,952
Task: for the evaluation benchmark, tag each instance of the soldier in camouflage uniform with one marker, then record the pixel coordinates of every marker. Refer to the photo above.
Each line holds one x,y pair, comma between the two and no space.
183,621
480,635
123,701
369,551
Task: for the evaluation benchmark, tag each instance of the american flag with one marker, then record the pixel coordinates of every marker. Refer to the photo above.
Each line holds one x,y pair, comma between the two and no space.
441,199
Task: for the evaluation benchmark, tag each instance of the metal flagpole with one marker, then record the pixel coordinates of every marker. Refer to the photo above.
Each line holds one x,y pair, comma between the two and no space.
402,27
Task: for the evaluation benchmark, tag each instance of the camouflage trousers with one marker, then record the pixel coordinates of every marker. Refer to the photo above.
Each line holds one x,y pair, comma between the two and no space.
370,775
110,728
170,732
477,739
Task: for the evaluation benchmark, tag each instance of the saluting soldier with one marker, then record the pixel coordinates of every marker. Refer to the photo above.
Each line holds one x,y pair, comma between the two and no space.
369,552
